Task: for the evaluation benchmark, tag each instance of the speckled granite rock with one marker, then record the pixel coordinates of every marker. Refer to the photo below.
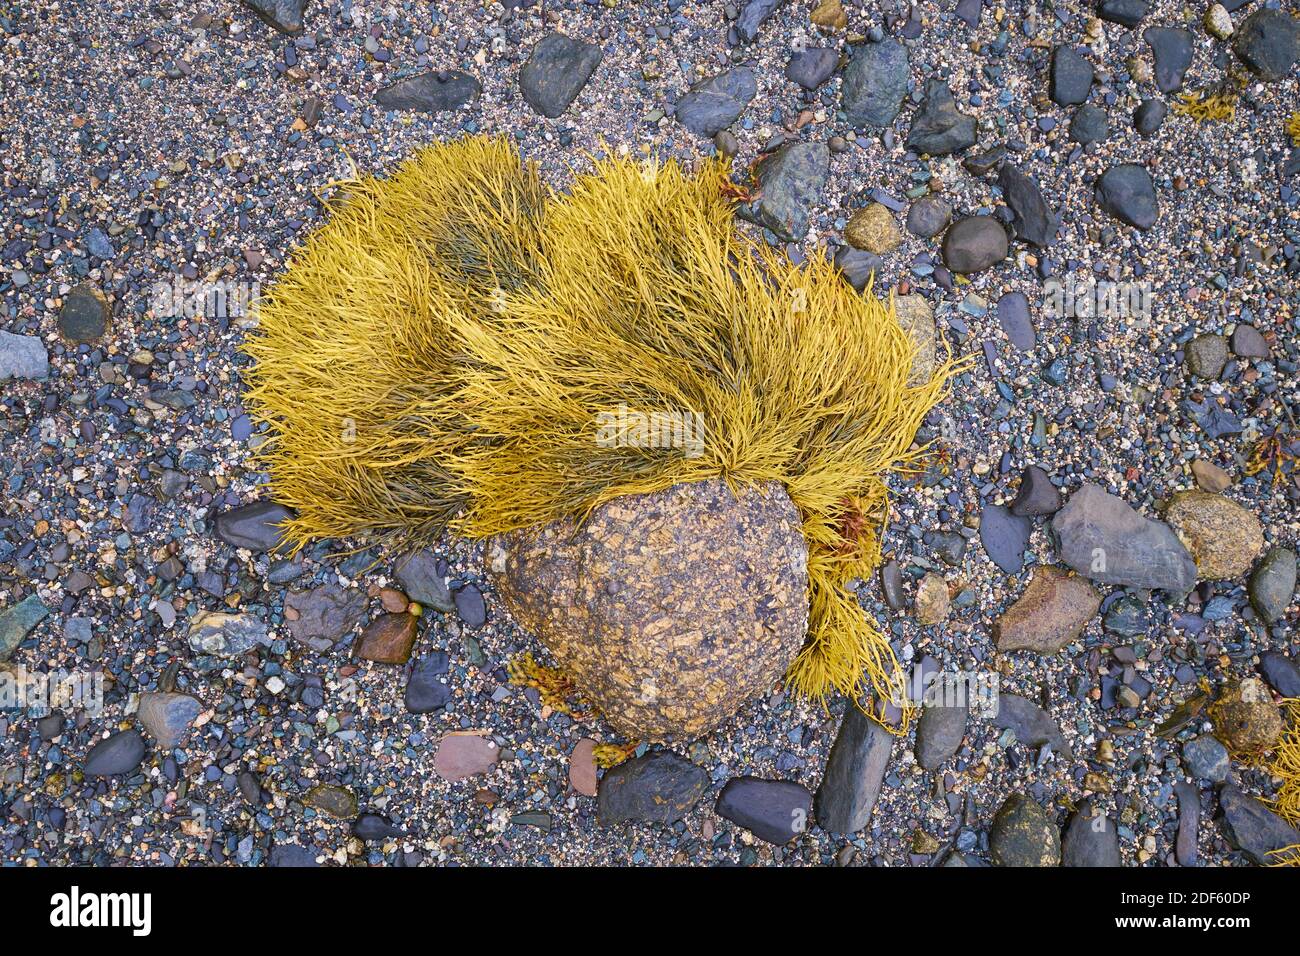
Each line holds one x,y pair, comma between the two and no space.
917,320
1222,536
1023,835
1245,717
671,609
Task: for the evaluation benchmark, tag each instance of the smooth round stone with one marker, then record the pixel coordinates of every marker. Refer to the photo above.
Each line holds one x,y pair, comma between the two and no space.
928,216
974,244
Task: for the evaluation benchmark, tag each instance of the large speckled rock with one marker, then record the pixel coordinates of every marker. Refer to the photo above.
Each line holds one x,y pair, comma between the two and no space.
670,609
1222,536
873,229
1246,718
1023,835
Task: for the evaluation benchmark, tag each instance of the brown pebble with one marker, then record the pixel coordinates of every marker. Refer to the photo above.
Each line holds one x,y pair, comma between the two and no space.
387,639
582,767
394,601
464,755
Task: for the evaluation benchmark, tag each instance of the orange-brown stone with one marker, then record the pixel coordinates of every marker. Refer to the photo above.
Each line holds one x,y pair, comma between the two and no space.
387,639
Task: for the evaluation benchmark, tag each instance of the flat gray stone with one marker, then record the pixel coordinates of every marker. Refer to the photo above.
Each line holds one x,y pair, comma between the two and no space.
854,774
1104,539
23,357
17,622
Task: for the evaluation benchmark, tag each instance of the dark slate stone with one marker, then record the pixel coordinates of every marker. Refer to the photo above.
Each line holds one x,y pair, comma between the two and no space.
1213,419
425,693
1127,617
1102,538
1005,537
1206,759
1034,220
857,266
1149,115
17,622
1189,823
659,787
928,216
874,84
118,754
939,734
968,12
1071,77
253,526
1013,316
168,717
374,826
854,774
790,184
556,71
1128,13
752,17
1090,839
1031,724
985,161
1272,584
1089,125
423,578
283,15
1172,49
891,585
1248,343
1268,42
1253,828
812,67
1281,673
433,92
470,606
940,128
84,315
773,810
293,855
715,103
1127,193
950,546
1036,495
974,244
